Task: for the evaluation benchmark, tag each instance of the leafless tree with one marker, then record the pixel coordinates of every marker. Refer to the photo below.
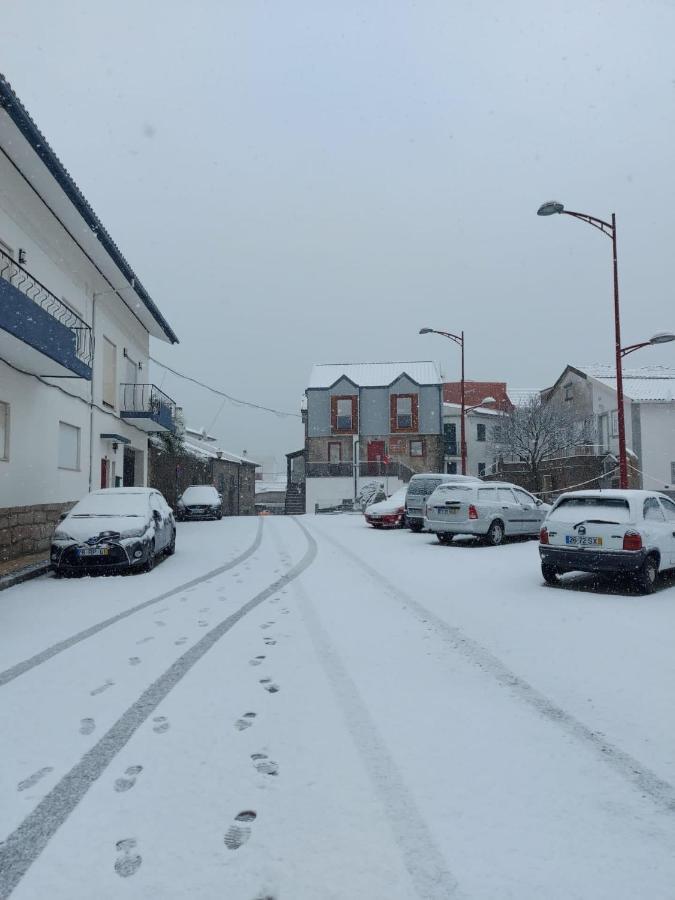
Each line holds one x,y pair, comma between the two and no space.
539,430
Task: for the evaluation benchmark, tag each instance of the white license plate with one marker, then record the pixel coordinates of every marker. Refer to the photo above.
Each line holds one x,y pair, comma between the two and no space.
578,540
446,511
93,551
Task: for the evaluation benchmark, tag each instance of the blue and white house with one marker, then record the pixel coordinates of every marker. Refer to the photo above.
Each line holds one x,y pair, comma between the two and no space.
75,329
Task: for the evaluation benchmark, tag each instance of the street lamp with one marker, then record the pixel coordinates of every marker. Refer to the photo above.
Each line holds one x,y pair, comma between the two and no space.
552,208
458,339
663,337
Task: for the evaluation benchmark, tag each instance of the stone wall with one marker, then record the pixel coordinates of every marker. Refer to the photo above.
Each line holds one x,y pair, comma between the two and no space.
25,530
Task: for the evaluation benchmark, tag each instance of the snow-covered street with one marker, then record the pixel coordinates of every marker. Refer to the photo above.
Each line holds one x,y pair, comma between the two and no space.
311,709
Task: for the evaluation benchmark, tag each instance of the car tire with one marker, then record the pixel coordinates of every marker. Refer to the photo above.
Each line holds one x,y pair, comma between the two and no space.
495,533
647,576
150,561
549,574
219,516
171,549
444,538
415,526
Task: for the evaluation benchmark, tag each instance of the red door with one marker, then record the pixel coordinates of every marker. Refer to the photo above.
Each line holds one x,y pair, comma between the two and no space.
375,457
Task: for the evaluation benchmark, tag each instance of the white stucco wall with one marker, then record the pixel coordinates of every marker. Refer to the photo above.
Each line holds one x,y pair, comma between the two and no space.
476,451
657,427
332,491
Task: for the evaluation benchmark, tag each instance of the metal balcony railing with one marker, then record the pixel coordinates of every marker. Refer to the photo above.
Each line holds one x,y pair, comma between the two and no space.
30,287
148,401
365,470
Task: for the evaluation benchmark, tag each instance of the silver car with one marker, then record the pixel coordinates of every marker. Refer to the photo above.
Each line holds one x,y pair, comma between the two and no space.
420,487
492,510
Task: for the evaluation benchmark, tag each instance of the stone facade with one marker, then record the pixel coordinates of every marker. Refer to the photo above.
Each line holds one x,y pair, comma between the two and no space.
25,530
396,448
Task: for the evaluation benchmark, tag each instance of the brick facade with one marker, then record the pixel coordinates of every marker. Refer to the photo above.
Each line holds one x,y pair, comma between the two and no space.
25,530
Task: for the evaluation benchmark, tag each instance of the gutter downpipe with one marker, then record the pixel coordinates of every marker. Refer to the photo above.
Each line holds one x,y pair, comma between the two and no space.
91,395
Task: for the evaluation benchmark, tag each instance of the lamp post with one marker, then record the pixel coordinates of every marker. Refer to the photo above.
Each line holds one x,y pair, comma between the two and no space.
552,208
458,339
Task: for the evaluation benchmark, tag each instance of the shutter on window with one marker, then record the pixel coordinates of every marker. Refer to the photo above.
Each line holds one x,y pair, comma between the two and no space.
355,415
415,413
392,413
333,414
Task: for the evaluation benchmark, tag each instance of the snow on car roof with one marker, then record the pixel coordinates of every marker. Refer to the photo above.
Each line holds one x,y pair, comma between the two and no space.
611,493
374,374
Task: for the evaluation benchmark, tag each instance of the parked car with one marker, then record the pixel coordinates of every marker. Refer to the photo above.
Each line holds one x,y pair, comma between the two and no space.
613,532
389,513
422,486
491,510
200,501
114,529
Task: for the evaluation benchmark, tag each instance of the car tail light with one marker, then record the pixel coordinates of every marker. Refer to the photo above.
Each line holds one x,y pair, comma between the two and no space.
543,536
473,512
632,540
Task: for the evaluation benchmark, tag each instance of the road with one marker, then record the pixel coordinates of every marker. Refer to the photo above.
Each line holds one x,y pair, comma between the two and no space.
308,709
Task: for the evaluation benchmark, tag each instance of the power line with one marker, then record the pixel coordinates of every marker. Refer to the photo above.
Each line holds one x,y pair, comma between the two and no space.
219,393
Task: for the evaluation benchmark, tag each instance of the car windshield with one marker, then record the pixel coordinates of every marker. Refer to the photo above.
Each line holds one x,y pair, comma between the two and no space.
423,486
111,505
203,493
583,509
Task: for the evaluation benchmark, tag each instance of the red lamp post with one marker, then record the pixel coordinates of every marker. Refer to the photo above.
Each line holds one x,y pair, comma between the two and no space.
458,339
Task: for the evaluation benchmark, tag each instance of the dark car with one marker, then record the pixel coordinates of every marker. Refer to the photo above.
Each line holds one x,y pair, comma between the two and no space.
200,501
113,530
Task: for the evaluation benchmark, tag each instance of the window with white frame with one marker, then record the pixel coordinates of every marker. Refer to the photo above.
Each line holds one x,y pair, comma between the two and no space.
109,372
4,431
69,446
615,422
480,432
481,469
404,412
417,448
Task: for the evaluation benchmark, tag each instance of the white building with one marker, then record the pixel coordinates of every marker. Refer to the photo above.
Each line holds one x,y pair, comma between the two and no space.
480,450
75,327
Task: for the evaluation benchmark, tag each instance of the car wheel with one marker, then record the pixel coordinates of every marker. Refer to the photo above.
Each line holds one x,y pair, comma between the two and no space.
415,526
646,577
549,573
171,549
495,534
444,538
150,561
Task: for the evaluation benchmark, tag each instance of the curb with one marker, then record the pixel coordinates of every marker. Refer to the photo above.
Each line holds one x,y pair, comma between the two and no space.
25,574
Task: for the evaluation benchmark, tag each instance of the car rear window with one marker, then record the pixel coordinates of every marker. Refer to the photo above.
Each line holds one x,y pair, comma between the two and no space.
612,509
423,486
200,494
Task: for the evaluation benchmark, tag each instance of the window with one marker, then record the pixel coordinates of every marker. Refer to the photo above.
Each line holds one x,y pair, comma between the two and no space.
4,431
334,452
480,432
668,509
344,414
417,448
615,422
652,511
450,438
481,469
672,473
524,498
403,412
69,446
504,495
497,434
569,391
451,468
109,372
487,495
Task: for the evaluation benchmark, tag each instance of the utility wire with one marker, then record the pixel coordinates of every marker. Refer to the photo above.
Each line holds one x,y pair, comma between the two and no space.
219,393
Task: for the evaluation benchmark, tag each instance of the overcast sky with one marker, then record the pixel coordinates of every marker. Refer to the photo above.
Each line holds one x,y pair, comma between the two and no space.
300,182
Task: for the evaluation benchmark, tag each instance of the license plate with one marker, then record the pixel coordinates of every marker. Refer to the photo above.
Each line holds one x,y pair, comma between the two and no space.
581,541
446,510
93,551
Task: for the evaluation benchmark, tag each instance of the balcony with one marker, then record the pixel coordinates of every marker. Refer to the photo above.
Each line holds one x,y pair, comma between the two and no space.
365,470
145,406
38,333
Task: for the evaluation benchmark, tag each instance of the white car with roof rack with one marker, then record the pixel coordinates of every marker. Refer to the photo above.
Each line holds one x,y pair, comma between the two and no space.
492,510
612,532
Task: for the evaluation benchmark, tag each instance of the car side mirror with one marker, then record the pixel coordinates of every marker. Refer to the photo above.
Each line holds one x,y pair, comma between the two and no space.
156,515
539,502
62,516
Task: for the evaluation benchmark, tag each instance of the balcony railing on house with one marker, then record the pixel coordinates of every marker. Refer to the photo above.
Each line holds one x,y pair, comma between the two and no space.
365,470
38,333
147,407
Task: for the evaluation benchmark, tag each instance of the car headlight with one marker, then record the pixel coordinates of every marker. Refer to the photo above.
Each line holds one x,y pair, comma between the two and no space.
60,535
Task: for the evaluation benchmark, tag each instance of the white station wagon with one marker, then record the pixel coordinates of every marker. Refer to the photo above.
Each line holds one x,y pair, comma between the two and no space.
492,510
611,532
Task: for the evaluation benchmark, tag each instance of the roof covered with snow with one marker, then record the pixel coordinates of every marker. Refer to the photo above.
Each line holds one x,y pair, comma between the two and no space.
523,396
380,374
655,383
477,391
196,449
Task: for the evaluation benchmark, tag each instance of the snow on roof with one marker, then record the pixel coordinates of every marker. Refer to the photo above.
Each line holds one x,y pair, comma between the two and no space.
523,396
646,383
200,433
380,374
266,487
481,411
216,453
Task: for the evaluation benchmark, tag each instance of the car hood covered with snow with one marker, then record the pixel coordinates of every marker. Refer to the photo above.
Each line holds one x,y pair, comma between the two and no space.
82,527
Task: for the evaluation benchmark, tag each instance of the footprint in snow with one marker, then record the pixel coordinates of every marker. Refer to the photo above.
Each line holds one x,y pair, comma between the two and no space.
205,609
240,832
127,863
161,724
181,640
125,784
33,779
256,661
202,623
160,624
184,599
146,639
87,726
269,685
285,612
245,721
264,764
134,660
269,641
102,687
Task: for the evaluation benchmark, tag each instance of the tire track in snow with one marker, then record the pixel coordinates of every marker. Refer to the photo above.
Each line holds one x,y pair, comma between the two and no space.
23,846
27,664
628,767
422,858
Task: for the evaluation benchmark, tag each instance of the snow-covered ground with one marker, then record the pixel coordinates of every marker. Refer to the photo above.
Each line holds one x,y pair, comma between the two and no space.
336,712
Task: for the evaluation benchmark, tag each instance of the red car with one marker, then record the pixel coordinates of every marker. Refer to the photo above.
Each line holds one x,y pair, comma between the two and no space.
387,513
